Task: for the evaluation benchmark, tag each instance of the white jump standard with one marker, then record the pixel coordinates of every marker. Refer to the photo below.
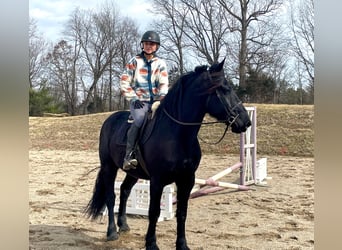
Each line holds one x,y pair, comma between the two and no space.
250,173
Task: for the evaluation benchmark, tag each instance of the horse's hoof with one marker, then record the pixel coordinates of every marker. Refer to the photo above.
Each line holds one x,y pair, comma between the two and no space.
124,229
182,248
181,245
112,236
152,247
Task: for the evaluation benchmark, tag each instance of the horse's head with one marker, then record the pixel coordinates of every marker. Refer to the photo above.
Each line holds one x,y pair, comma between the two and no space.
223,103
205,91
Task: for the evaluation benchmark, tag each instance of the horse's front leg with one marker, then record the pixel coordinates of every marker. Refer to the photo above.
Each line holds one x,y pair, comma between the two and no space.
125,191
156,190
184,187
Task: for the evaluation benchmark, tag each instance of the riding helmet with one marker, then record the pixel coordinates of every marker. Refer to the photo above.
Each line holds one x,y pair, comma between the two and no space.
151,36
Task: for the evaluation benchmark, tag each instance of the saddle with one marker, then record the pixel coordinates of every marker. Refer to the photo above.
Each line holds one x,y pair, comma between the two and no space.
144,134
145,130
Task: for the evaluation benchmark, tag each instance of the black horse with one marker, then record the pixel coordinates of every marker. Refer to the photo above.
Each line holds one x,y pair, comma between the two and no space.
170,153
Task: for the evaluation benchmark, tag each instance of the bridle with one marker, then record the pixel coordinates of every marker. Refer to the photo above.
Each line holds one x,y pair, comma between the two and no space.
226,104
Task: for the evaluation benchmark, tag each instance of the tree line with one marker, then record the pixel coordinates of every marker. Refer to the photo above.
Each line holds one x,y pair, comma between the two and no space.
268,46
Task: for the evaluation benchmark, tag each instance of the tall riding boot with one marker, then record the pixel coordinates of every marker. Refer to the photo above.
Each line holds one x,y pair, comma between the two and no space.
130,161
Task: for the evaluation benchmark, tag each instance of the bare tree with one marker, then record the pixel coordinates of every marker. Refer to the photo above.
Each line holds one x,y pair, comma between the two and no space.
127,44
93,33
241,15
172,31
62,61
302,27
105,39
206,29
193,32
37,52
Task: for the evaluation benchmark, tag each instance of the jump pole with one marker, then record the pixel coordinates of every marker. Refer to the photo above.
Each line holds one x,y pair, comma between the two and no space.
246,165
212,184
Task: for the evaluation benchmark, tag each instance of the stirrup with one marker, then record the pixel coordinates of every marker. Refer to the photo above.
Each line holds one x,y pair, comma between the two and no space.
130,164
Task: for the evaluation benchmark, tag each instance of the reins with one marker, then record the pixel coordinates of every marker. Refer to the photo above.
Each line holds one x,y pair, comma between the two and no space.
214,143
191,123
203,123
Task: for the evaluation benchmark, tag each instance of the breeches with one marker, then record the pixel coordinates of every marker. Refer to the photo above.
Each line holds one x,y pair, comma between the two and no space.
139,114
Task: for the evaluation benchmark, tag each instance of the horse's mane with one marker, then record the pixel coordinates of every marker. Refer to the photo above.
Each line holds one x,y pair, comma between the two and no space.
186,78
189,82
175,94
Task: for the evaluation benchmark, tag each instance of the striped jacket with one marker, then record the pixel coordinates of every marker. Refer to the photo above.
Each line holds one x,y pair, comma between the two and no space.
138,73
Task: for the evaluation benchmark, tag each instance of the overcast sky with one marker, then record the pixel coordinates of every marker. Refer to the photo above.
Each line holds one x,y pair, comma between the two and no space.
51,15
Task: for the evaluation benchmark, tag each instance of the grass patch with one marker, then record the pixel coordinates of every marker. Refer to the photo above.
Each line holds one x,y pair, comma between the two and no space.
281,130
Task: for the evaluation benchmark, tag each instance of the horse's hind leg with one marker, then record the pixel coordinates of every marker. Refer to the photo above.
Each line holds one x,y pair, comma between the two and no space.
125,191
109,176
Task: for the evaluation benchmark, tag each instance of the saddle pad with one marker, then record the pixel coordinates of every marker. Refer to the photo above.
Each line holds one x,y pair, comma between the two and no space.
121,138
145,131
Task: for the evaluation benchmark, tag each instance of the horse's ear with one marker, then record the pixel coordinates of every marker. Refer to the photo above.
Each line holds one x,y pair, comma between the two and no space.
217,67
221,64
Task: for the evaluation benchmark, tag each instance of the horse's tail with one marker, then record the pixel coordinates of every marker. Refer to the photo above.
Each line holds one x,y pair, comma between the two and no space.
104,186
98,201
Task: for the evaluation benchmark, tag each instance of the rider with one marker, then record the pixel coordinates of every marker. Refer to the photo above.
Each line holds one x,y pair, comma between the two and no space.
144,81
